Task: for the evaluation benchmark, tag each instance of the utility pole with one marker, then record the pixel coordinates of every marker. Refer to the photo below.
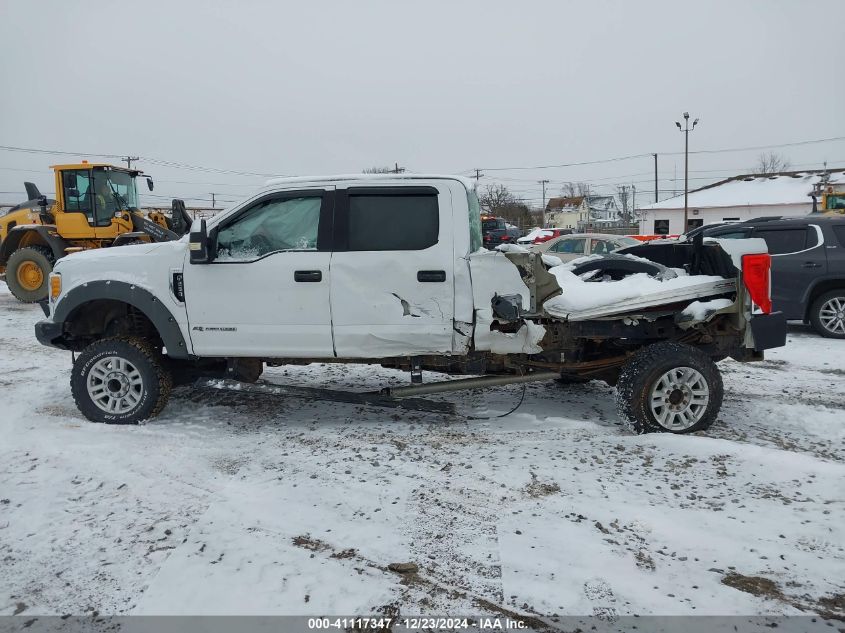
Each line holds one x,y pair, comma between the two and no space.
213,205
478,175
543,183
623,197
686,130
129,160
633,203
397,169
655,178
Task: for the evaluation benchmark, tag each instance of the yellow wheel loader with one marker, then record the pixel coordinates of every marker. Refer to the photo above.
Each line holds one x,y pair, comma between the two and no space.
96,206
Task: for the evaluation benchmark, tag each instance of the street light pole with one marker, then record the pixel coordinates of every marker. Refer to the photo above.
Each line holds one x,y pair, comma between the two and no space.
686,129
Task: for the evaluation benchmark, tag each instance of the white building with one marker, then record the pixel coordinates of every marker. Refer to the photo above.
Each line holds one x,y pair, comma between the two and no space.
737,199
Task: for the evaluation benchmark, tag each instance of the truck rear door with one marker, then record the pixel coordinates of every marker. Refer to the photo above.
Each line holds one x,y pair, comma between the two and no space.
392,269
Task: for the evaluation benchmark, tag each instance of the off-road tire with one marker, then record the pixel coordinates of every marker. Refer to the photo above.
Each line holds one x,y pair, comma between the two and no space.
815,312
149,363
642,373
39,255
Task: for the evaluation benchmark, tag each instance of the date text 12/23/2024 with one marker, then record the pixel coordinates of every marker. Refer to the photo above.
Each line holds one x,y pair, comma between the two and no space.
421,623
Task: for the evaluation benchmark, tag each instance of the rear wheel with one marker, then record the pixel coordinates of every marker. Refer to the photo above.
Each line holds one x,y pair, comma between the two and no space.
120,380
669,387
27,273
827,314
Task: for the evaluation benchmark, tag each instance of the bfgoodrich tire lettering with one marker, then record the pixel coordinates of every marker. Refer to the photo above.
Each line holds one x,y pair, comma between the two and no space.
672,375
122,357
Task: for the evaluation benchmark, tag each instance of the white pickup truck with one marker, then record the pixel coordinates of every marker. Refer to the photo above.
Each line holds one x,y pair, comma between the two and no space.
390,270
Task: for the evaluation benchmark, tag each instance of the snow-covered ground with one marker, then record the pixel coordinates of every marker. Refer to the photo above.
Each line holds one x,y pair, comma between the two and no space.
240,503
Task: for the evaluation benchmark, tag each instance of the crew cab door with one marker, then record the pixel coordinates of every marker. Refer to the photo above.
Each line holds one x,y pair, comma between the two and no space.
392,290
798,260
266,293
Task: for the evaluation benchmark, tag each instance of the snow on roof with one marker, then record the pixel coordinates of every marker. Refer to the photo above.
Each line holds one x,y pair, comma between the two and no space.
469,183
751,190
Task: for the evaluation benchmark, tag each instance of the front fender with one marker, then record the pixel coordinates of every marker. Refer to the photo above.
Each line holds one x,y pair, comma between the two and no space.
47,234
130,294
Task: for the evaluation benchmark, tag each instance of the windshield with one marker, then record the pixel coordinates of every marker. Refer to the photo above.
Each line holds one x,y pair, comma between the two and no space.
115,191
493,224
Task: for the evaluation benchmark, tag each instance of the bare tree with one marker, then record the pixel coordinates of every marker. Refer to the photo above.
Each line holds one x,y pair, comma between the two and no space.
499,201
495,197
377,170
575,189
771,163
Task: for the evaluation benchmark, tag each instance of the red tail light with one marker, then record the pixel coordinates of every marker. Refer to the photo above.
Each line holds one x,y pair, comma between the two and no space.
756,272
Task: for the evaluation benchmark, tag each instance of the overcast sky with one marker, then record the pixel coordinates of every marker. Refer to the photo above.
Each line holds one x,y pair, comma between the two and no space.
445,87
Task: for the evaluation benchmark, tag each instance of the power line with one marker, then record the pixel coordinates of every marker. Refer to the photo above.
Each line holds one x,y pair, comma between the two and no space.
153,161
588,162
704,151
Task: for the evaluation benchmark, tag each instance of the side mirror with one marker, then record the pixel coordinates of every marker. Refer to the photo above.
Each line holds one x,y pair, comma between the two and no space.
202,246
150,184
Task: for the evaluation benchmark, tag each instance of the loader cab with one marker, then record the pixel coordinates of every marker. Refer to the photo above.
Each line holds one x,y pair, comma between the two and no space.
94,201
833,202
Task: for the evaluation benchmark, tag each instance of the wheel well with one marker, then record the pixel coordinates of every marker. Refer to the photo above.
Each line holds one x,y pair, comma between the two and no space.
818,290
108,317
32,238
20,239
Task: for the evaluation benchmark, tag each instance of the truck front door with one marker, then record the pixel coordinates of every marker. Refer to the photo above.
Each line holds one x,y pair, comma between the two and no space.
392,290
266,293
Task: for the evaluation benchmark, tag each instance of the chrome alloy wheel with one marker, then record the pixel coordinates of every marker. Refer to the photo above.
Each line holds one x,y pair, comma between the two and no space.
115,385
679,398
832,315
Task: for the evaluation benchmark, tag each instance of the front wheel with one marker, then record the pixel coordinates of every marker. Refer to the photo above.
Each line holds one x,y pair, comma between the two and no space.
27,272
827,314
669,387
120,380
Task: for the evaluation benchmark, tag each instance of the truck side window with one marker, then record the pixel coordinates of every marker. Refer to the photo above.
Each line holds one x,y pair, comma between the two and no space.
393,222
783,241
275,224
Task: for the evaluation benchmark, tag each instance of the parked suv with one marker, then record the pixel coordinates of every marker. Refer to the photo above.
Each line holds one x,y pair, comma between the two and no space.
808,266
496,231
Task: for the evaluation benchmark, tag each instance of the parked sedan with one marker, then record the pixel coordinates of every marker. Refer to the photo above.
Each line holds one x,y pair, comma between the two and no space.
569,247
538,236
